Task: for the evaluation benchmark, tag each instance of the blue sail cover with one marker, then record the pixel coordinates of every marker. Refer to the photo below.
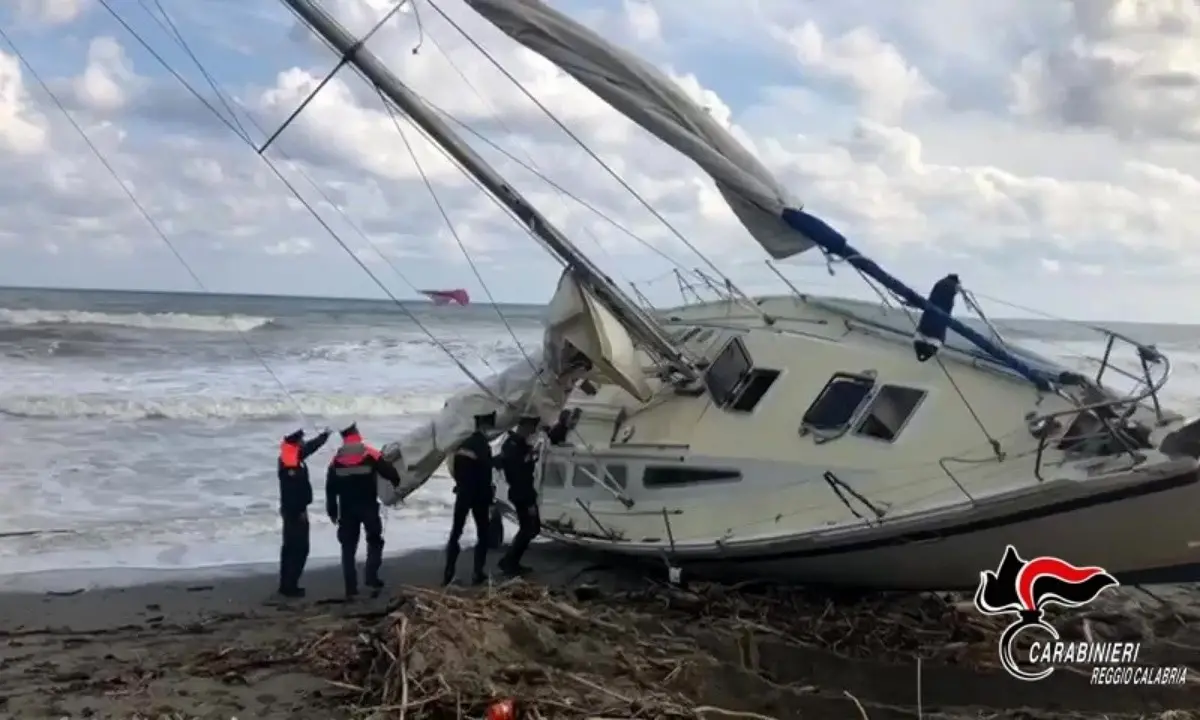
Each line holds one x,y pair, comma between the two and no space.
821,234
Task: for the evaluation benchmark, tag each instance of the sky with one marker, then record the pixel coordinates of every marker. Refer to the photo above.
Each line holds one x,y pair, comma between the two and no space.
1048,151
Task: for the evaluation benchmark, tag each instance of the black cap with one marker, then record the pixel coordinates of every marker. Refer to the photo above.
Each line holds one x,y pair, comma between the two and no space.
351,429
485,419
529,421
296,436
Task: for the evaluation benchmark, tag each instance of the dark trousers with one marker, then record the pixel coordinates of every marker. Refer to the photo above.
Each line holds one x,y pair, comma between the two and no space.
529,526
293,553
350,527
477,508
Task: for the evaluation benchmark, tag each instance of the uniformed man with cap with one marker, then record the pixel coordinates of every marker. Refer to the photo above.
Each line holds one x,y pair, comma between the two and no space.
518,461
471,468
352,502
295,495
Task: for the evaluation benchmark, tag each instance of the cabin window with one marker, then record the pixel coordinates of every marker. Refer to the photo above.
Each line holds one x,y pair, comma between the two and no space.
584,476
889,412
618,475
555,475
687,334
754,388
838,402
734,382
678,476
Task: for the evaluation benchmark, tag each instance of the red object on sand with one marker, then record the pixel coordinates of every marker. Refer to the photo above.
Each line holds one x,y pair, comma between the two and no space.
445,297
502,710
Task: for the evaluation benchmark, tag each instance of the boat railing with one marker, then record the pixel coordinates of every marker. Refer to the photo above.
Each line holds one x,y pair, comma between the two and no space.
1098,398
1111,411
695,287
1148,357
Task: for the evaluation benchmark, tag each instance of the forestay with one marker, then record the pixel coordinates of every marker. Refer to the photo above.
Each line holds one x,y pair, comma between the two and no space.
655,102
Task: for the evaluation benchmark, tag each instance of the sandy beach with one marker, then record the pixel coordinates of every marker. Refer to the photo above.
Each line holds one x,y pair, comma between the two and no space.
225,647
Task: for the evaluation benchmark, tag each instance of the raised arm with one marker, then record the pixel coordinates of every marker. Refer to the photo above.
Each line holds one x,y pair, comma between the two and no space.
314,445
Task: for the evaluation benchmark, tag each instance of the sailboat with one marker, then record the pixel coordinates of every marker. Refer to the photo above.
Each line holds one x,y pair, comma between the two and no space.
794,436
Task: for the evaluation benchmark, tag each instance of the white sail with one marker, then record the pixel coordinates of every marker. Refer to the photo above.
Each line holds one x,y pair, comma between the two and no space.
524,388
652,100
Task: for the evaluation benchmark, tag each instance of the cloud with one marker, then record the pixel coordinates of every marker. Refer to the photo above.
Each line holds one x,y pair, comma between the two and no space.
882,81
1130,66
939,141
52,12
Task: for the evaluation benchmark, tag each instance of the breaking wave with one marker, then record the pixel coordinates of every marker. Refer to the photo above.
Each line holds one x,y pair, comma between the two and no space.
189,407
143,321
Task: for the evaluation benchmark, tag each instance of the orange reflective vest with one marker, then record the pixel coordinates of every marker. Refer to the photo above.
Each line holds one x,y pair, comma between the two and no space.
289,454
354,451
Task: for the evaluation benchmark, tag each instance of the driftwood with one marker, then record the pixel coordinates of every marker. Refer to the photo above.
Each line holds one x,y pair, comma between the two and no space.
663,653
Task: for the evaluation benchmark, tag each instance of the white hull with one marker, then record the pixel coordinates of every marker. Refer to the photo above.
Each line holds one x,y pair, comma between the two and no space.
1109,528
930,508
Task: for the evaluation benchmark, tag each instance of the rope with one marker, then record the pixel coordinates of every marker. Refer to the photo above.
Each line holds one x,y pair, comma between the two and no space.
146,215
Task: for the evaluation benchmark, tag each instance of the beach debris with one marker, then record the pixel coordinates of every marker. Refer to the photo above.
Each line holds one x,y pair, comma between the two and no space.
519,651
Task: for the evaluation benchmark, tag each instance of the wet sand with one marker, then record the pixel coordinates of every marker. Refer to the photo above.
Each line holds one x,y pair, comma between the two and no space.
226,647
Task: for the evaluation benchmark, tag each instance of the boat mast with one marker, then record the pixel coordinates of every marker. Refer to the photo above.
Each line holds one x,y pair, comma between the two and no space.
354,52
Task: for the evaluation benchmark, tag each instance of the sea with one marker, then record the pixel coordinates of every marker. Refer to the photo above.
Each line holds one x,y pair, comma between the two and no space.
139,431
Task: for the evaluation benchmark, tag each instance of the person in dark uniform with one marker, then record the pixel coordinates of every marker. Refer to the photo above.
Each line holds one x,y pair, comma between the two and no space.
558,432
518,461
295,495
471,468
352,502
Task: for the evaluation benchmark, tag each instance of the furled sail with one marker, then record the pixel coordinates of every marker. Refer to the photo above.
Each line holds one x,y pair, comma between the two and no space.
643,94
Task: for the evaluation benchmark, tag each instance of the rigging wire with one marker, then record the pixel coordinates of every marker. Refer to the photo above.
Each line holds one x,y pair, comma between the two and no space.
307,206
394,114
474,268
996,447
145,213
578,140
290,186
437,201
172,28
532,166
233,127
212,83
533,170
